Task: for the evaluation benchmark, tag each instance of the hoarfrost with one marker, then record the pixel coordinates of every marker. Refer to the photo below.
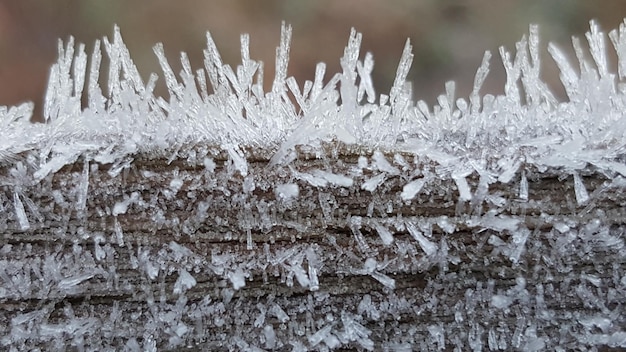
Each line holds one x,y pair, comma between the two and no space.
237,158
501,301
209,165
384,233
184,282
238,279
69,283
122,207
279,313
314,283
156,200
175,185
384,279
287,191
20,213
335,179
464,189
354,331
84,188
320,335
270,337
373,183
499,222
312,180
445,224
518,244
355,226
119,233
381,163
438,334
523,187
411,189
582,196
429,247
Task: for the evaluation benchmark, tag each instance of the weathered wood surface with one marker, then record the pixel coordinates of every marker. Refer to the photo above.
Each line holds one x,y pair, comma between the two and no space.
108,266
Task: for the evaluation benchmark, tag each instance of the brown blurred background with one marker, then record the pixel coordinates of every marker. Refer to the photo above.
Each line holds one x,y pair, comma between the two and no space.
449,37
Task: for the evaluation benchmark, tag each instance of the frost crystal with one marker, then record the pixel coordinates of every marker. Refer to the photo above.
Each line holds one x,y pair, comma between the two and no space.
317,215
20,213
411,189
184,282
429,247
384,233
288,191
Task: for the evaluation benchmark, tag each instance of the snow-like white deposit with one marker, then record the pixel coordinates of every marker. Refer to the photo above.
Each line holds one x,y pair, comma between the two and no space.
462,150
490,135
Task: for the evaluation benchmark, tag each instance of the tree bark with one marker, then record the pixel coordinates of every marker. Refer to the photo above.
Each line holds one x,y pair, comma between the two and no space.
163,252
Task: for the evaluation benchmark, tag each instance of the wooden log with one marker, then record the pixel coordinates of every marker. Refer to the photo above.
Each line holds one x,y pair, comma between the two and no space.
191,253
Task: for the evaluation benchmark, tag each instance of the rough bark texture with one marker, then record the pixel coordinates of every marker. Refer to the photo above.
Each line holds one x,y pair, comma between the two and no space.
109,266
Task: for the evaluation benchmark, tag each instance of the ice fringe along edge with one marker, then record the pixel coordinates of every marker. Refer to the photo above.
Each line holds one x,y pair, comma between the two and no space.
489,134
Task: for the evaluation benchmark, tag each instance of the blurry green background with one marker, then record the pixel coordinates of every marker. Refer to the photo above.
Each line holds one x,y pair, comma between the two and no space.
449,37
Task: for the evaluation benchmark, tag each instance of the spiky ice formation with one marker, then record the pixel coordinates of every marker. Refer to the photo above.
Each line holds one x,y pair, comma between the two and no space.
318,216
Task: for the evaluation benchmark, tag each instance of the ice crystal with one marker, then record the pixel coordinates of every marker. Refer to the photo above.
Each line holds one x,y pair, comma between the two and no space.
317,215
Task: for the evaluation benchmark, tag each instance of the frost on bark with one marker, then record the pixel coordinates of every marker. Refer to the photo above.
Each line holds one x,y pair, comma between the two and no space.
491,224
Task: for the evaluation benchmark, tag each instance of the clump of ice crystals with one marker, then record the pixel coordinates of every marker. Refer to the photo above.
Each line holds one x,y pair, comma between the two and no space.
233,170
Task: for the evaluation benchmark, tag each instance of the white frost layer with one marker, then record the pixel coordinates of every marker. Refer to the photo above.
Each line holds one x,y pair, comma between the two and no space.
527,125
492,139
411,189
287,191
